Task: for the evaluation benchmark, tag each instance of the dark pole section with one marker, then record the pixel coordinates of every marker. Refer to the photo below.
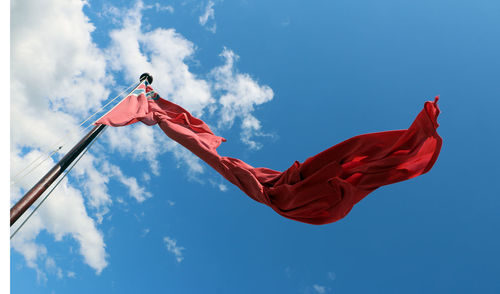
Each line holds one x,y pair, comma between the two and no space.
32,195
29,198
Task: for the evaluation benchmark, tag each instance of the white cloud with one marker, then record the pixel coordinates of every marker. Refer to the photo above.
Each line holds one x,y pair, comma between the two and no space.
239,96
62,214
285,22
94,182
51,267
56,80
140,141
207,19
147,143
173,248
135,190
53,53
319,289
222,187
185,157
145,232
164,53
160,7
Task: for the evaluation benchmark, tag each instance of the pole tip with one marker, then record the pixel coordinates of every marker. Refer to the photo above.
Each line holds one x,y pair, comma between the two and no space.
146,76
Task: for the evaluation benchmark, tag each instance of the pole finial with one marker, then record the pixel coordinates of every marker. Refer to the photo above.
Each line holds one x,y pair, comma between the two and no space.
146,76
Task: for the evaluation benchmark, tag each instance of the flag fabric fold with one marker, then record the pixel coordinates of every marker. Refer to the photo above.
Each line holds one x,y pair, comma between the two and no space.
323,188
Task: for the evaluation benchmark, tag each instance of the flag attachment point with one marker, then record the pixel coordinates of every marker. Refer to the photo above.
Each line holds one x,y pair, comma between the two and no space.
146,76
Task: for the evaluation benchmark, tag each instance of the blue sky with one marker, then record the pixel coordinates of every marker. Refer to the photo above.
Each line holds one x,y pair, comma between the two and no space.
281,81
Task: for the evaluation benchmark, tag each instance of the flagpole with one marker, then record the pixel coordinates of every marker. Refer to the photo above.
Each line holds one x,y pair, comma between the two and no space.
34,193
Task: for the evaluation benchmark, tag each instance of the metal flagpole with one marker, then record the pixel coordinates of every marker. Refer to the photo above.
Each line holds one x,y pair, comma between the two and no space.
32,195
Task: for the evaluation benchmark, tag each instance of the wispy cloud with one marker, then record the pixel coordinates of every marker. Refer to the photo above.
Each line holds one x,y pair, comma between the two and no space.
319,289
240,94
173,248
160,7
331,276
286,22
145,232
207,19
136,191
221,186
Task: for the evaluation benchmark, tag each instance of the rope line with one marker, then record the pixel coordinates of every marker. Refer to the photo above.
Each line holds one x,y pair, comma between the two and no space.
136,86
110,101
61,143
76,161
56,185
15,179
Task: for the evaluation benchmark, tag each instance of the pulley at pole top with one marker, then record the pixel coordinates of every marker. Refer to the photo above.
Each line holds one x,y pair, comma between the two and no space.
146,76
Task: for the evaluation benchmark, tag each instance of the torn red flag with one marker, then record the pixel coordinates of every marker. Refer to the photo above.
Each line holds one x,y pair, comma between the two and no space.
323,188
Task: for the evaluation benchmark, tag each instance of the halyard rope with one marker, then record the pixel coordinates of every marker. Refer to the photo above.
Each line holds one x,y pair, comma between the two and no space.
55,186
61,143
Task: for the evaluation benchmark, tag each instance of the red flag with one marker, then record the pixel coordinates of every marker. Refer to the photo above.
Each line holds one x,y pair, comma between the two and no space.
322,189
